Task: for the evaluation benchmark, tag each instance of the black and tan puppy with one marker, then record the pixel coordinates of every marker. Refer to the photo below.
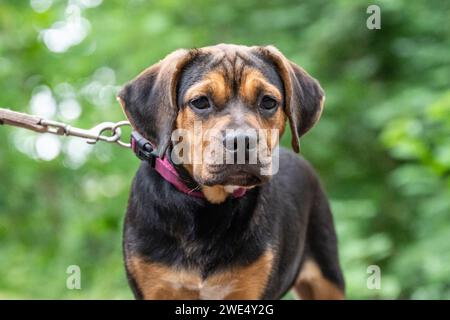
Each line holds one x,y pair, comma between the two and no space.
258,245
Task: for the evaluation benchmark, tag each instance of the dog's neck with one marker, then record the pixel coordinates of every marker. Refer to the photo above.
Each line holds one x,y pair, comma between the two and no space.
179,175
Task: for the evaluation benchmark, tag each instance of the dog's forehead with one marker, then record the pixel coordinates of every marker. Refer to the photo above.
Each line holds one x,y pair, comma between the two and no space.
231,61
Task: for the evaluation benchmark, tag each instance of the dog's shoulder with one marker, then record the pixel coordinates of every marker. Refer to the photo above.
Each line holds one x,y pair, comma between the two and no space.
295,168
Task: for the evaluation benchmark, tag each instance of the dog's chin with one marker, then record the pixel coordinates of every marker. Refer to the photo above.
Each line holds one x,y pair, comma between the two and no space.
239,178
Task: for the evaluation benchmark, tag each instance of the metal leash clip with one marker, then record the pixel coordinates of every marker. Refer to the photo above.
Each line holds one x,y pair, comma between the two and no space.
92,135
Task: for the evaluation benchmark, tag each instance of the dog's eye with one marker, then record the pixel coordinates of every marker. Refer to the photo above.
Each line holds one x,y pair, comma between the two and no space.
200,103
268,103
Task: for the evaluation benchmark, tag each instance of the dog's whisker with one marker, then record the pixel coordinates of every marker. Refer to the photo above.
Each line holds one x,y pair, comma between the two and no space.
197,188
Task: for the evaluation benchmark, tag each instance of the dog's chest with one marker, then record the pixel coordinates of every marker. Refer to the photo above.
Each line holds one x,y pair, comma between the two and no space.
158,281
196,288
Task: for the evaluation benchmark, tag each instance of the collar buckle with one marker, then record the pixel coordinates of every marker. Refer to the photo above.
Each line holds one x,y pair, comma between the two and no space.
143,148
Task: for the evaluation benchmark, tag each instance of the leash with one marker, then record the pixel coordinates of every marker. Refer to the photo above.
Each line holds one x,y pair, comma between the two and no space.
141,147
138,144
41,125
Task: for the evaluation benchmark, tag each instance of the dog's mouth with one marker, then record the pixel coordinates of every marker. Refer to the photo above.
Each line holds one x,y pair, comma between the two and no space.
237,175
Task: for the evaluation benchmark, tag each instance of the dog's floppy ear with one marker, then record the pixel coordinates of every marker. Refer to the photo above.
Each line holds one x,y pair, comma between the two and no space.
304,97
149,101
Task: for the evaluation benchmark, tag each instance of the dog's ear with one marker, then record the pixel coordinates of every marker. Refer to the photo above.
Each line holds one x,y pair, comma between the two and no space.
149,101
304,97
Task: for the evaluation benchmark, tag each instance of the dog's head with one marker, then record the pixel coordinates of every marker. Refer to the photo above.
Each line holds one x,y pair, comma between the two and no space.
225,104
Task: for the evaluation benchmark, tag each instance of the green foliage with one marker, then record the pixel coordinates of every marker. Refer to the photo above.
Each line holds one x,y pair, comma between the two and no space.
382,147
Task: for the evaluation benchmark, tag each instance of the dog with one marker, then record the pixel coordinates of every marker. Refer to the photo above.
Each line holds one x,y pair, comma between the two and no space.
224,231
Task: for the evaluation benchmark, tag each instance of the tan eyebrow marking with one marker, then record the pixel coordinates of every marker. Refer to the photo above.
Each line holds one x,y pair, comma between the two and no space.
252,82
213,84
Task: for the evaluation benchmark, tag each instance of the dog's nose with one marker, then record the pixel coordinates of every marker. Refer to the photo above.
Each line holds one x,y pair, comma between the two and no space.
240,143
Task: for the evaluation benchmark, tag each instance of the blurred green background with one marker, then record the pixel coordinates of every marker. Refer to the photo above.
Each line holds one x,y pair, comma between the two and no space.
382,147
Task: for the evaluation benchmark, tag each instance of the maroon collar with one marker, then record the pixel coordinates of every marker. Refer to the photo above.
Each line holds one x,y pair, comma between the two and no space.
168,172
145,151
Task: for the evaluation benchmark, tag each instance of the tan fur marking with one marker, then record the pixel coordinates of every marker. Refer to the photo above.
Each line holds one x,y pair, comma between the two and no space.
248,282
185,119
160,282
215,194
278,121
213,85
312,285
253,82
157,281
